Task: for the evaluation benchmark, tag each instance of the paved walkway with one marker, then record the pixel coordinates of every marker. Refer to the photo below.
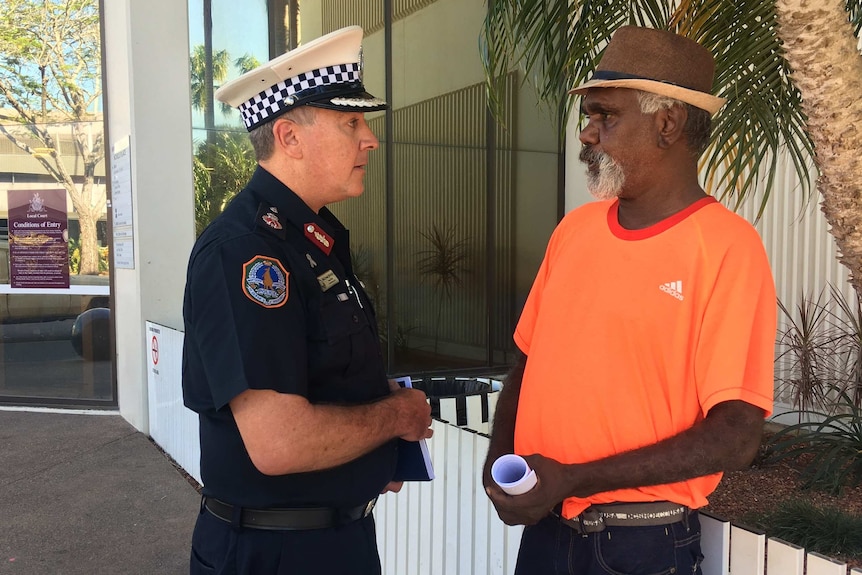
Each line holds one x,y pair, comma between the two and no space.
89,495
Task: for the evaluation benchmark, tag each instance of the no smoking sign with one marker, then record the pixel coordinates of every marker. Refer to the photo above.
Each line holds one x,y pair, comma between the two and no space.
154,349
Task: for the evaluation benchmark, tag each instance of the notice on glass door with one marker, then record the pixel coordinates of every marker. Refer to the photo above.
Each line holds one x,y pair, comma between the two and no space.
38,239
121,204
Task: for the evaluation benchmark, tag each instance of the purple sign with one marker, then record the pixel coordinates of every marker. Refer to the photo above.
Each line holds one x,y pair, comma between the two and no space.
38,239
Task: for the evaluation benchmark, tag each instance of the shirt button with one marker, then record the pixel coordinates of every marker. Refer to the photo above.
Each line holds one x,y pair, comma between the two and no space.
355,318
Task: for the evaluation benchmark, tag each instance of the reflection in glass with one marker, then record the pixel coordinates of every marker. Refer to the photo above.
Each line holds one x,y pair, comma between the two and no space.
52,175
43,362
461,209
226,39
457,207
55,347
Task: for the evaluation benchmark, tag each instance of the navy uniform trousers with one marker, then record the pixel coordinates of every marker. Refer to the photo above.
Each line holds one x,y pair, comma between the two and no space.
220,549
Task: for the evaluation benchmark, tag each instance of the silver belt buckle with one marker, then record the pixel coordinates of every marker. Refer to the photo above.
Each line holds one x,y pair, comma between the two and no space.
369,507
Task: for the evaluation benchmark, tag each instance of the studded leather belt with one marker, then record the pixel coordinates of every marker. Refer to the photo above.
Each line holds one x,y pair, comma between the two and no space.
289,518
596,517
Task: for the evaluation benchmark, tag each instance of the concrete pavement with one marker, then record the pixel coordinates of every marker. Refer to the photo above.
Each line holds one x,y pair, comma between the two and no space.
84,494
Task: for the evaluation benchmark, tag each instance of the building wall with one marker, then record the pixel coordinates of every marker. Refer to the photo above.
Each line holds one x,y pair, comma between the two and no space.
147,85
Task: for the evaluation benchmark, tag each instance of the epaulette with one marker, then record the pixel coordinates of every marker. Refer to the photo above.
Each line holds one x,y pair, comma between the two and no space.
268,219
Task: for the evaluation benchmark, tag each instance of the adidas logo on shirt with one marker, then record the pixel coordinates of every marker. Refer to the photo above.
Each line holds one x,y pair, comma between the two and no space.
673,288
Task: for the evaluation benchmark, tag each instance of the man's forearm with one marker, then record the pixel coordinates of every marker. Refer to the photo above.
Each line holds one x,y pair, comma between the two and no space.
728,438
284,433
503,427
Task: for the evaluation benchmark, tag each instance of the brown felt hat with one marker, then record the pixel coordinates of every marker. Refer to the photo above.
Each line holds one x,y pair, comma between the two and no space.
657,61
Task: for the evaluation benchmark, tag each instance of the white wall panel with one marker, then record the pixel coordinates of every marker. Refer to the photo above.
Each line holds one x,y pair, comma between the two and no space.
172,426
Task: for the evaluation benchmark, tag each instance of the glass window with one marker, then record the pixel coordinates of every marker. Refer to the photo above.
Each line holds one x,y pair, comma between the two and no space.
226,39
457,207
468,202
55,324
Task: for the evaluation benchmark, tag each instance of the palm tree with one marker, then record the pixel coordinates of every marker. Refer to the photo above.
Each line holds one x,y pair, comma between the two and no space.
789,68
246,63
221,169
201,97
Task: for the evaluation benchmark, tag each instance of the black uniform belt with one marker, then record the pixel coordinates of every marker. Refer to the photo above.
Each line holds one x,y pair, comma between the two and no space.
289,519
596,517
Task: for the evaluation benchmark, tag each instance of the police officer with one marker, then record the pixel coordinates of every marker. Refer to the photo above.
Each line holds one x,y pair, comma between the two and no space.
298,422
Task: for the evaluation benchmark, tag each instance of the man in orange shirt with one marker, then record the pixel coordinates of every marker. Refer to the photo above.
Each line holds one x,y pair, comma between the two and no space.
647,337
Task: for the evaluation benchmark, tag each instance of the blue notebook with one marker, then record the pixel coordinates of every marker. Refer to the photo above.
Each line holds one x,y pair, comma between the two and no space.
414,460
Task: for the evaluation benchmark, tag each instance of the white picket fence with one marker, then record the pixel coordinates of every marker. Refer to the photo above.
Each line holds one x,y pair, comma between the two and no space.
448,526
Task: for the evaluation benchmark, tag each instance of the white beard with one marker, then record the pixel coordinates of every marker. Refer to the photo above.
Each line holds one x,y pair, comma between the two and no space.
607,182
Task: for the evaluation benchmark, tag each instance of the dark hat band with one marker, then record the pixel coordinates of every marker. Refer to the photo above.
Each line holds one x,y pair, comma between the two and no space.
611,75
322,82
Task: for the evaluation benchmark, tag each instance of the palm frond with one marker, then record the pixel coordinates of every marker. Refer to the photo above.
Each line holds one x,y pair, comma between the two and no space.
763,118
854,10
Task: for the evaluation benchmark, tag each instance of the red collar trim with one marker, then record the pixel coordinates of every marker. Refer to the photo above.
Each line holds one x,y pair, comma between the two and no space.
655,229
319,237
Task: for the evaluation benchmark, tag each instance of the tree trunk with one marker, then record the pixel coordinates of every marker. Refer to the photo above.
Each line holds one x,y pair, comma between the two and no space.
209,81
88,217
827,69
89,246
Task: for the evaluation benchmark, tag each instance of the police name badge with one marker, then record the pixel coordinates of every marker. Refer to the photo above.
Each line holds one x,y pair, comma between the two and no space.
327,280
265,281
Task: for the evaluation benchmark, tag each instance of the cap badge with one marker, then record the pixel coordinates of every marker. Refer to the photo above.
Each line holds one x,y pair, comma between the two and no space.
319,238
271,220
265,281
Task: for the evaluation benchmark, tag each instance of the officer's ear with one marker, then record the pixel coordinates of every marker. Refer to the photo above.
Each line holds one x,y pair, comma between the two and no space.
288,137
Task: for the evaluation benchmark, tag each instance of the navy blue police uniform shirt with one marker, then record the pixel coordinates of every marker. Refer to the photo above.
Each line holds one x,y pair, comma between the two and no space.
271,303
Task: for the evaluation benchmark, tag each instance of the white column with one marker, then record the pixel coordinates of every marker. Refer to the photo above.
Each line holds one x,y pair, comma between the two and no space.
147,88
576,173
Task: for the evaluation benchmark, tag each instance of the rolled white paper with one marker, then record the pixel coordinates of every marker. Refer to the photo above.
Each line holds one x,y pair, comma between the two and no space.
512,474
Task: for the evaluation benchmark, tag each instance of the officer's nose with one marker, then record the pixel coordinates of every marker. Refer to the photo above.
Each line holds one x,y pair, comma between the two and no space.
369,141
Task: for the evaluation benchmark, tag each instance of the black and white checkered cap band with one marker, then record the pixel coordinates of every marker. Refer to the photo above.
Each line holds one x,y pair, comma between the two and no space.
285,94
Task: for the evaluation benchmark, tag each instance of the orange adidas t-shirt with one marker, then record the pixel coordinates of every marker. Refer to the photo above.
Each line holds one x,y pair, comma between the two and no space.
631,337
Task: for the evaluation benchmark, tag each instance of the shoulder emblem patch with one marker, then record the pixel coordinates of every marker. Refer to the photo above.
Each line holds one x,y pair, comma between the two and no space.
271,220
264,281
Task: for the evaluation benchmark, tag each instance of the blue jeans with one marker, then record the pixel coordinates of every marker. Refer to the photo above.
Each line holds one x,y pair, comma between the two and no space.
552,548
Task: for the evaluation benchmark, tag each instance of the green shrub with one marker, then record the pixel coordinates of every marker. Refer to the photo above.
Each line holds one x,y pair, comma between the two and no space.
825,530
221,168
828,444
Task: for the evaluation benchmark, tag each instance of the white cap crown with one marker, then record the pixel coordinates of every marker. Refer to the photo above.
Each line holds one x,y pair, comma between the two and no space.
326,72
